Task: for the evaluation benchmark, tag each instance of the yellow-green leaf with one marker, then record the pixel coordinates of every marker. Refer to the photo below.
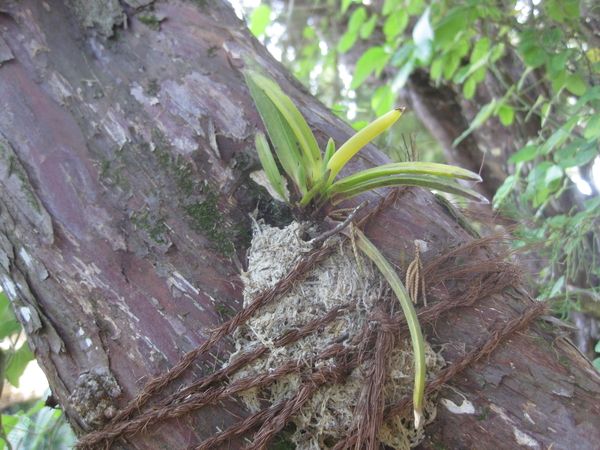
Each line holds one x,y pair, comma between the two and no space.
282,136
260,19
269,165
311,154
405,168
339,193
360,139
414,328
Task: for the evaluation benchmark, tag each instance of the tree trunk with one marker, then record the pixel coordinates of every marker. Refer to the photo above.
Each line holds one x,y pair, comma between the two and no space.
126,143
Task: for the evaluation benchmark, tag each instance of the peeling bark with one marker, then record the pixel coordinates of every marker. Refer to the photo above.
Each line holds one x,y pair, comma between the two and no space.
125,195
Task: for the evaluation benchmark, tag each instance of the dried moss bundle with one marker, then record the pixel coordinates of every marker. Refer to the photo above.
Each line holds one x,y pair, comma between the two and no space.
345,279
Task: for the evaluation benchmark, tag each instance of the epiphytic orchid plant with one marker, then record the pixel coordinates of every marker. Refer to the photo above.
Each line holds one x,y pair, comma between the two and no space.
314,174
314,180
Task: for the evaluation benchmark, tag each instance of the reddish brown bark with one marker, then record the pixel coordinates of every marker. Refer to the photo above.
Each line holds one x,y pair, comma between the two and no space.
123,221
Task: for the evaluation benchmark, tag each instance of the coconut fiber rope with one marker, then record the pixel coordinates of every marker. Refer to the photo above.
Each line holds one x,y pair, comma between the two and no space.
302,267
388,327
481,351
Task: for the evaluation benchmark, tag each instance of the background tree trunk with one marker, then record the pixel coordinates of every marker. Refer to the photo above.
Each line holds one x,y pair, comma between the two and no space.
126,143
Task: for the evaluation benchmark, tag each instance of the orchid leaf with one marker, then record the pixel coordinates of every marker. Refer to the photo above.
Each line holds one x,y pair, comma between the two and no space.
269,165
425,181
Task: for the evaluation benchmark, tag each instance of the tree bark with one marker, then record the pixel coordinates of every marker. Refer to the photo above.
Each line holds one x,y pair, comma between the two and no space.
126,143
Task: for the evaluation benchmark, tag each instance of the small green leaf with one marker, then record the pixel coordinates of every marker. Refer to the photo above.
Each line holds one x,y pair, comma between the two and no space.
560,136
382,100
451,63
389,6
358,125
17,362
483,115
558,62
480,50
497,52
345,5
395,24
269,165
576,154
592,129
597,347
558,81
527,153
452,25
557,287
469,88
503,191
367,28
553,175
347,41
479,74
437,66
309,33
260,19
591,94
575,84
373,60
534,56
596,364
545,112
415,7
562,10
506,114
357,18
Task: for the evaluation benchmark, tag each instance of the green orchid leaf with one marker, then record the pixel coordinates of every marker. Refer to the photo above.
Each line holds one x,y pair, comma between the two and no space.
416,335
339,193
359,140
282,136
329,151
269,165
420,168
308,144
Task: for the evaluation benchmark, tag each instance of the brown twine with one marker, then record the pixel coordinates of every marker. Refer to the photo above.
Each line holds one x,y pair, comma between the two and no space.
251,356
481,351
277,417
188,399
368,416
492,277
486,348
302,267
160,382
270,428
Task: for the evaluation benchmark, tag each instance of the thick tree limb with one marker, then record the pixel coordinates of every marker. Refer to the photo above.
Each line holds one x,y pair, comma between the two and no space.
123,211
